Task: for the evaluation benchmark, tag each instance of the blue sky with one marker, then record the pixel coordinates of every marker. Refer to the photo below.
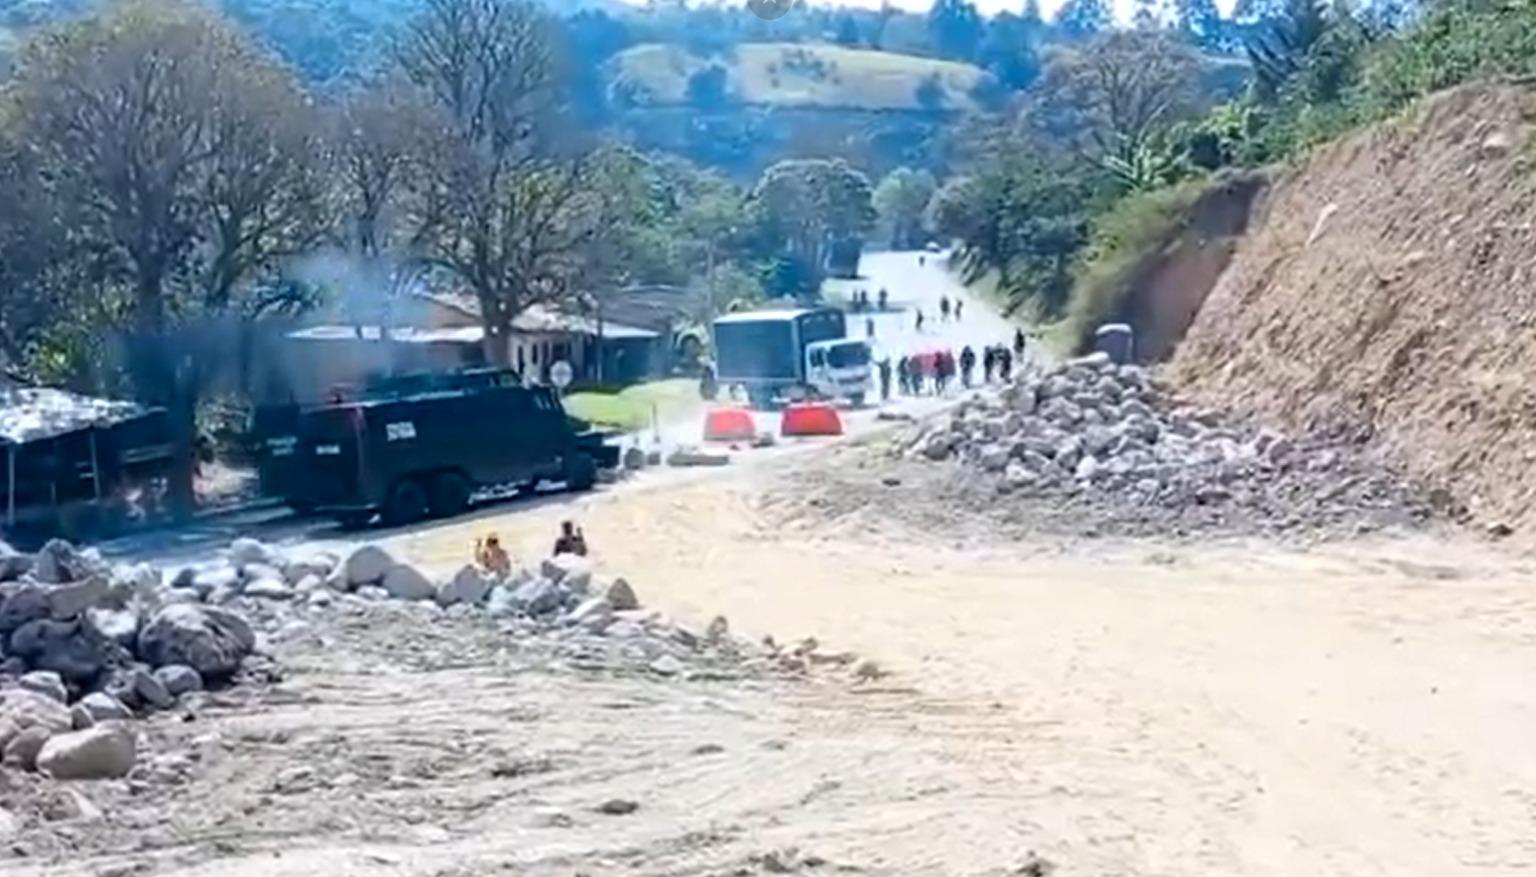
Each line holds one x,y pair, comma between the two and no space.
1122,7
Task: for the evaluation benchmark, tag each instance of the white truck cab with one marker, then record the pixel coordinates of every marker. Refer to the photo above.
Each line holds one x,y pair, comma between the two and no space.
840,369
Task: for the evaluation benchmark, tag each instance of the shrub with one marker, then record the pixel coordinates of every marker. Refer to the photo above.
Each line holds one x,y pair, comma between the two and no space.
1128,236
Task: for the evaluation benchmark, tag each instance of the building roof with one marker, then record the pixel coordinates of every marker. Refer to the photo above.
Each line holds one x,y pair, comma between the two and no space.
769,314
466,334
31,413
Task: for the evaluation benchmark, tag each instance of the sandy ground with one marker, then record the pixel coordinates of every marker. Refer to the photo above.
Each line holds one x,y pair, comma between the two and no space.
1134,708
1131,709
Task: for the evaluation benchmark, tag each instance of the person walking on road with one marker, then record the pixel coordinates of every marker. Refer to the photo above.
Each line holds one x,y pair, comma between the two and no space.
885,298
1018,344
1004,363
967,365
944,309
885,379
988,363
869,327
919,319
959,308
904,376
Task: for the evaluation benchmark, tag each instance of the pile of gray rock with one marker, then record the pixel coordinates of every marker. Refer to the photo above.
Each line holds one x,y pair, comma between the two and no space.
85,645
1091,430
563,589
560,607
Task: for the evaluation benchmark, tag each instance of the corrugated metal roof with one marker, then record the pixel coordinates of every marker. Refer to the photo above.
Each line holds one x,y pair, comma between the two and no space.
28,414
536,324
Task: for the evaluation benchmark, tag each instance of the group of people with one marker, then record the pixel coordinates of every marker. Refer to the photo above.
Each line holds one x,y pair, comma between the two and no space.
947,309
491,557
934,372
861,300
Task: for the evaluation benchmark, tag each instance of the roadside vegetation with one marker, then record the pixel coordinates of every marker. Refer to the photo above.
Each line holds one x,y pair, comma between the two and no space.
1319,70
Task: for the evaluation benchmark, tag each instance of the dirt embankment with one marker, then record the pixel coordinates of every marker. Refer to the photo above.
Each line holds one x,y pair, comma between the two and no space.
1167,290
1385,293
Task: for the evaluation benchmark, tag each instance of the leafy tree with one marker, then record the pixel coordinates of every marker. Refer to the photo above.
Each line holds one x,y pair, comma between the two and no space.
1200,22
1009,50
956,28
186,163
496,212
811,205
900,201
1021,216
1081,19
708,88
1279,47
1121,89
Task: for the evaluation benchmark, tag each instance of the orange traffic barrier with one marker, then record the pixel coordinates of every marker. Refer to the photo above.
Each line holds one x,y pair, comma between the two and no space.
729,425
818,418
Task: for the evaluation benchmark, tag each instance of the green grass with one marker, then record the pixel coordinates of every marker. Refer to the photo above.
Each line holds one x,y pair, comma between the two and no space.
1135,231
630,410
799,75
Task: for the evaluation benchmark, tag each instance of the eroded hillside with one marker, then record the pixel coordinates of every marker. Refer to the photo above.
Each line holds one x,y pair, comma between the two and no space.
1385,292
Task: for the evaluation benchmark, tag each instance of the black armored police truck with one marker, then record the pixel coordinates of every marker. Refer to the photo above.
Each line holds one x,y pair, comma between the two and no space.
423,446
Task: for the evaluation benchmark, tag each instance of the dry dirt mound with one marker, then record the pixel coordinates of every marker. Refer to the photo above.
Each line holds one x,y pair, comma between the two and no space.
1385,296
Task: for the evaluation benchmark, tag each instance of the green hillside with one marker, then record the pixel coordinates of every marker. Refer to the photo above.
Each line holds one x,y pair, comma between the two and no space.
798,75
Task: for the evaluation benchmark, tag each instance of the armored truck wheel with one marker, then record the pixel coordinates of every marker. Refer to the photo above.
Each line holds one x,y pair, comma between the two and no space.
450,495
407,503
580,472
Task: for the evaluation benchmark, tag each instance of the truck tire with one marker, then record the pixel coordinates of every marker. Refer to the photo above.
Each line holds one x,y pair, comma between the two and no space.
450,495
580,472
407,503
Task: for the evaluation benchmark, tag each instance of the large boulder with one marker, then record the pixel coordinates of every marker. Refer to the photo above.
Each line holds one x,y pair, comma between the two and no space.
206,579
58,562
246,552
179,679
470,585
13,564
406,582
47,683
71,600
538,597
319,565
269,589
21,752
103,707
21,603
621,596
571,571
28,709
209,640
367,566
117,625
68,648
106,751
150,690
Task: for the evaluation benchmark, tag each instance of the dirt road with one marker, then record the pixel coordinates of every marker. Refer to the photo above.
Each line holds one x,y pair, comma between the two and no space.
1137,708
1127,708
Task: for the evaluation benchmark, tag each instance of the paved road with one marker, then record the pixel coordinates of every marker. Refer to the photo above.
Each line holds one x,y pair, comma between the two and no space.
915,281
918,282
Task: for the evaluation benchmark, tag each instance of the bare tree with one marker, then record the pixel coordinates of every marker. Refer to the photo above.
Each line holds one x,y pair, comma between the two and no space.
496,210
181,154
1115,94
